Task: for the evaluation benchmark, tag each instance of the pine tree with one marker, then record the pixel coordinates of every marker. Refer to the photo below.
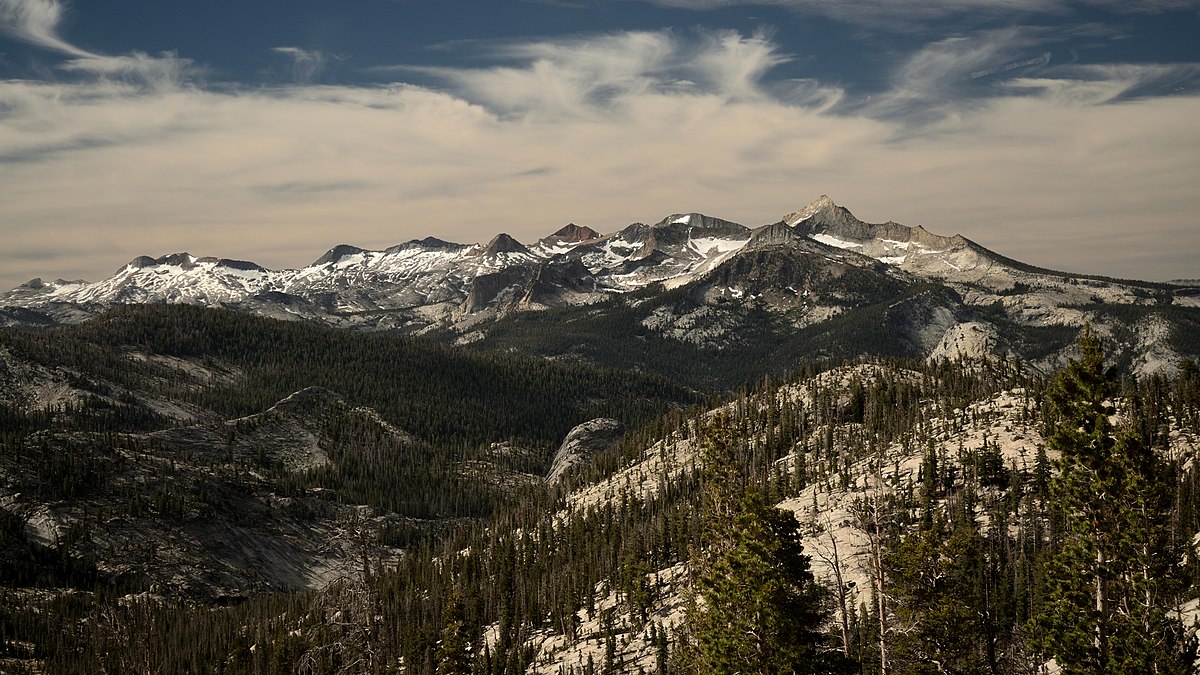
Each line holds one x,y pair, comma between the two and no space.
454,651
762,610
1108,595
934,578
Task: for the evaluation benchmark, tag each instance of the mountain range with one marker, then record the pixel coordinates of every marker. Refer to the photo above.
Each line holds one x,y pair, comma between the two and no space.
689,278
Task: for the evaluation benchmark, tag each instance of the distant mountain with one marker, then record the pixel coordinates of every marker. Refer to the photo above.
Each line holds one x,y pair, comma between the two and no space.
821,284
421,283
827,280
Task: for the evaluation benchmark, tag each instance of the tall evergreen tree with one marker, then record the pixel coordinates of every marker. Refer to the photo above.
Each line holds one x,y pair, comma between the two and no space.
454,651
1109,588
935,580
762,610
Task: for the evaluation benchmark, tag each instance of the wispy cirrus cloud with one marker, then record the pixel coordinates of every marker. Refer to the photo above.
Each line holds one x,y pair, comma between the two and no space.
597,75
940,78
880,12
167,70
36,22
948,77
307,65
1101,83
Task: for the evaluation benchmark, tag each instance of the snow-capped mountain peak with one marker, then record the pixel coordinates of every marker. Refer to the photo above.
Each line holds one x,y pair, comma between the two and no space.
822,205
335,254
913,249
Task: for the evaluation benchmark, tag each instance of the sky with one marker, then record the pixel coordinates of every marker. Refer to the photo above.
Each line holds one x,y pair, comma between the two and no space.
1063,133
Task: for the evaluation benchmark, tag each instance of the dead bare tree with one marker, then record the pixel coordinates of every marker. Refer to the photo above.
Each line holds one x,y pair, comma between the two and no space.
833,560
349,610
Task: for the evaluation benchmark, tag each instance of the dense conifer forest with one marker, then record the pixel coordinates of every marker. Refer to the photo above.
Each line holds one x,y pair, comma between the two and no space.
661,554
429,389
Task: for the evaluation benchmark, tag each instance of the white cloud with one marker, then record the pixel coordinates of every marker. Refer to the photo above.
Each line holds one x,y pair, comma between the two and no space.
941,78
597,76
1114,81
950,77
36,22
601,131
735,65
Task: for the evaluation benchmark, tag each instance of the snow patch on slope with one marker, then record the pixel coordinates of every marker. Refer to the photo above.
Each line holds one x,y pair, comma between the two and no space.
830,240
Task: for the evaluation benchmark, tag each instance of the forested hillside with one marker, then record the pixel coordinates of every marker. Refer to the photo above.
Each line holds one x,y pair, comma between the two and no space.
235,364
211,457
936,516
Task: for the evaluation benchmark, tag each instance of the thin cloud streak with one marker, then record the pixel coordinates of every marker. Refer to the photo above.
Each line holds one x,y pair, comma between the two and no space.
307,64
36,22
914,12
617,128
166,71
942,78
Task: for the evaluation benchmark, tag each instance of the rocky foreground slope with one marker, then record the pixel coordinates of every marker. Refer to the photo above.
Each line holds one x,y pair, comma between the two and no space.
857,491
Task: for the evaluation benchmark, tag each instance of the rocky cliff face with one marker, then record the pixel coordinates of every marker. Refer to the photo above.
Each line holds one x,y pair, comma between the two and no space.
582,443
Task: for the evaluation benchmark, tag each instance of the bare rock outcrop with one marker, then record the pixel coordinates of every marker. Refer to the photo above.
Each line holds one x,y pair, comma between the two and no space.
582,443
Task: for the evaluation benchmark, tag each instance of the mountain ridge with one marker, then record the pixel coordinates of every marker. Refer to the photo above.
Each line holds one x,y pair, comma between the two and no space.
814,264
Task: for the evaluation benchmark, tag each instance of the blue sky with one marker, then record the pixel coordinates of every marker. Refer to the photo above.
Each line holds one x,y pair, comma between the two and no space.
1063,133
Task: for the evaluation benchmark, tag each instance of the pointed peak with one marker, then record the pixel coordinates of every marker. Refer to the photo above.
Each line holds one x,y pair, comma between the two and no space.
572,232
822,205
336,253
503,243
